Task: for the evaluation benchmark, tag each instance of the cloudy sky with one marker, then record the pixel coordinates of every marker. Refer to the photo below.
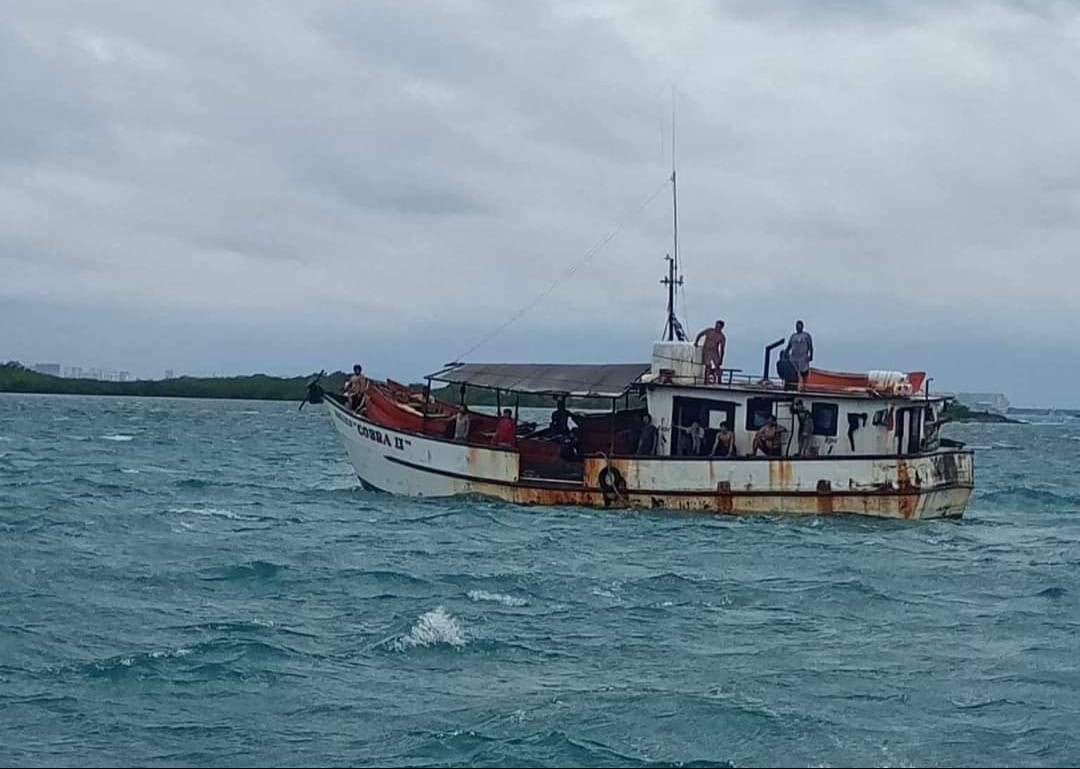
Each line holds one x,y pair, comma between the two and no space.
285,186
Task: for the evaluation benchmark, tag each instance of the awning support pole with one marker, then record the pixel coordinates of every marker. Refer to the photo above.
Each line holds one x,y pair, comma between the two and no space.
427,395
611,430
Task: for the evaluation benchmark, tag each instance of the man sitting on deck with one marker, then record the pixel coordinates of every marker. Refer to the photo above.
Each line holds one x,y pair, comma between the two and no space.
504,429
560,419
768,439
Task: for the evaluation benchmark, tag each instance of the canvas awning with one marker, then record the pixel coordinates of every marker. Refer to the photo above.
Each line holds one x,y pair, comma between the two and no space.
574,379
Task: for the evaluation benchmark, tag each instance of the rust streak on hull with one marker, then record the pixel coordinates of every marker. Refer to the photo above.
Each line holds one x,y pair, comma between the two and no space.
948,502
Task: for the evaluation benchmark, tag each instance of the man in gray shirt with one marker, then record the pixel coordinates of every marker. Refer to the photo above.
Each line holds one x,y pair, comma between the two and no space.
800,350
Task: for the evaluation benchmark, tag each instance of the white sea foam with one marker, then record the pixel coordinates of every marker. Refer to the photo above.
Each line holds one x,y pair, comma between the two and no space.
118,438
433,627
505,600
215,512
129,470
170,653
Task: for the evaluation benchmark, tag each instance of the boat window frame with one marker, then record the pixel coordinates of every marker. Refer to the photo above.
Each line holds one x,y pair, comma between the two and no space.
751,411
817,407
707,405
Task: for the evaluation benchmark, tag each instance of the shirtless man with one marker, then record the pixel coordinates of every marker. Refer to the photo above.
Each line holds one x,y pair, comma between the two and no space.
356,388
768,439
724,443
712,351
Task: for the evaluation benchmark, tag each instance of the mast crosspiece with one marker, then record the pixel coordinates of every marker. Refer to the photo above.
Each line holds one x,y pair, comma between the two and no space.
672,328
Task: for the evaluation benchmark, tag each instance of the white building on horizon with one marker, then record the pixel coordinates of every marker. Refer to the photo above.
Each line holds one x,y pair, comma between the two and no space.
995,403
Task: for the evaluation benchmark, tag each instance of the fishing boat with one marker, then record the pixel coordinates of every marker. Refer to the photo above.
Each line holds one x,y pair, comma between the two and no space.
873,450
849,443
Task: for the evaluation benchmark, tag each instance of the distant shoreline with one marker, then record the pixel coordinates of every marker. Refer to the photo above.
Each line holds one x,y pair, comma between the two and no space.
958,412
18,379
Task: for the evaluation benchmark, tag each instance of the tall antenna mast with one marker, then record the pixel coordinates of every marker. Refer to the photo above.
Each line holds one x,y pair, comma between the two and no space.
674,189
672,328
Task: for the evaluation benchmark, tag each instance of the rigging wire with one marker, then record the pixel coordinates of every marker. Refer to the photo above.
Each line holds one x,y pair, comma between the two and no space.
568,273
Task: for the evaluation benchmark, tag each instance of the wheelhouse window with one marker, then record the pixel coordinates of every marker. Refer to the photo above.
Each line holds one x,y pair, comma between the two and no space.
826,416
708,415
758,411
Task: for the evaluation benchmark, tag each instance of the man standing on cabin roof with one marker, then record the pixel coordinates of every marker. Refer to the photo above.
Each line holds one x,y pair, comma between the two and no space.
504,429
800,351
712,351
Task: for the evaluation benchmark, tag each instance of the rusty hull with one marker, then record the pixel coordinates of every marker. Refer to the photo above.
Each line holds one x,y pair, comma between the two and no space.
930,486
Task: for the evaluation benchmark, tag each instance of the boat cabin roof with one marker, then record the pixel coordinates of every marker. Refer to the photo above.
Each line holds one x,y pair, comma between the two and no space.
583,380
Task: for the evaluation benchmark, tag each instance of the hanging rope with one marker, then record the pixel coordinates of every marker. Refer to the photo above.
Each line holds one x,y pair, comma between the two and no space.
586,258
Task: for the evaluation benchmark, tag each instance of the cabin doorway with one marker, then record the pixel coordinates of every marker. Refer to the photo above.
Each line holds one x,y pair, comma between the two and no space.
909,430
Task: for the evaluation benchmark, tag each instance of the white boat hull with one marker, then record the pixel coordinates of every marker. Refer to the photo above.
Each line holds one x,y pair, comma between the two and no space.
930,485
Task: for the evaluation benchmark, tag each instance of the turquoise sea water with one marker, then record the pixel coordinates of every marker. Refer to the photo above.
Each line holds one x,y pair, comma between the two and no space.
199,582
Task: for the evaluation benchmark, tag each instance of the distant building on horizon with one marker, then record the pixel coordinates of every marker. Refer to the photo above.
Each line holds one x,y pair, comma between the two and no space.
170,374
995,403
52,369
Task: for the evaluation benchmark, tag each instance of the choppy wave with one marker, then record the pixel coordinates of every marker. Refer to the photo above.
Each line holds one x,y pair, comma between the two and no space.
118,437
249,570
431,629
1029,495
211,512
1052,592
505,600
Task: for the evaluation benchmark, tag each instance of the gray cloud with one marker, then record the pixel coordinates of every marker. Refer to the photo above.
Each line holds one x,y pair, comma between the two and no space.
405,176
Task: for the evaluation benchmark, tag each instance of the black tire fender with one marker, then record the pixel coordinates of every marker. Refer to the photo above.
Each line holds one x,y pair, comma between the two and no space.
610,480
